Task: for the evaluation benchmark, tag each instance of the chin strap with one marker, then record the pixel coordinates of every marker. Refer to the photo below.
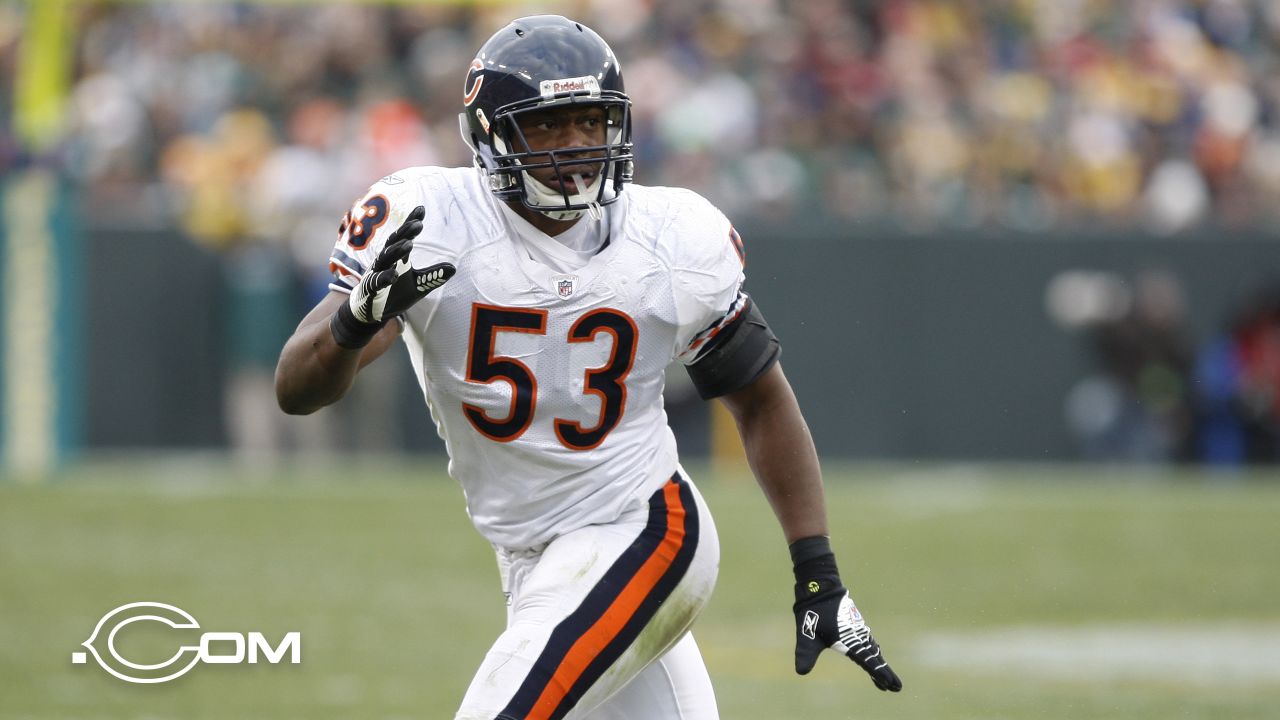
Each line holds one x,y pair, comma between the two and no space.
545,196
593,205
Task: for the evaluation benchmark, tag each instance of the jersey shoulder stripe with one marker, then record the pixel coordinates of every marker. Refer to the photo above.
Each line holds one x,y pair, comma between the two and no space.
345,269
711,331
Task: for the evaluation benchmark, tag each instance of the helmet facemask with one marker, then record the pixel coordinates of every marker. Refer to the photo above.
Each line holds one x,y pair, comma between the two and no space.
597,171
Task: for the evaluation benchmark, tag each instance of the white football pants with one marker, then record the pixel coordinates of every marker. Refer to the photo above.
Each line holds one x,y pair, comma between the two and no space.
598,620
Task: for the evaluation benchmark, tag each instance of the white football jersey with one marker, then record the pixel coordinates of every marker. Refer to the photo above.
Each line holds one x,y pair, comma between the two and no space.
547,386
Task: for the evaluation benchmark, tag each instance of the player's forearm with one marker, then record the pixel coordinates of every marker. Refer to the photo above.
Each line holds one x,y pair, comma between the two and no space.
781,454
314,371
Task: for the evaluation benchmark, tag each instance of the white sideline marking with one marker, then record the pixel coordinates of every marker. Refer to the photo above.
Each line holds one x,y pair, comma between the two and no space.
1219,654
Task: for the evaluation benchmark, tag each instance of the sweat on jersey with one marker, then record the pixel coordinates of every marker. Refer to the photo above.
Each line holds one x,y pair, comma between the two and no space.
546,385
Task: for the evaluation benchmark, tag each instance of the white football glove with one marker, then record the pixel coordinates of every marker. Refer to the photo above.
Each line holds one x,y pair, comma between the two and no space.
390,287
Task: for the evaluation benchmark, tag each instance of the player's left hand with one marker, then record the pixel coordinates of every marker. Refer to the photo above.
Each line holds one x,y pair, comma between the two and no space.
827,618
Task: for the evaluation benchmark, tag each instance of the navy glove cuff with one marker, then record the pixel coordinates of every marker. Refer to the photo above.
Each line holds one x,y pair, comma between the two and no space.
812,557
815,569
349,332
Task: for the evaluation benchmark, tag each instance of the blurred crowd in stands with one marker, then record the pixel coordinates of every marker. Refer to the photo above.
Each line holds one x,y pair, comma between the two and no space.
1026,114
250,123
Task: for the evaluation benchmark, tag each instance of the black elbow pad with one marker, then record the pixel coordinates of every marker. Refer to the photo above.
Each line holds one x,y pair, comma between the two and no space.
740,353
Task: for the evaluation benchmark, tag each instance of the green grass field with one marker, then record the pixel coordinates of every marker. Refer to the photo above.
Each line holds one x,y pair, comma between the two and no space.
1011,592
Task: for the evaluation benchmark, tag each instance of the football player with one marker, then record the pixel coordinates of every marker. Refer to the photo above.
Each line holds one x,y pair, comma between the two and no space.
541,296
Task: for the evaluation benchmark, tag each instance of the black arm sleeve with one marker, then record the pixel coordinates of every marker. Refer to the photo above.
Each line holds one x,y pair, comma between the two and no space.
739,354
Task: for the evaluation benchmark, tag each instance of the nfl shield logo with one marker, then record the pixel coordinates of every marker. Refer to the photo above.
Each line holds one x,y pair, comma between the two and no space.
565,285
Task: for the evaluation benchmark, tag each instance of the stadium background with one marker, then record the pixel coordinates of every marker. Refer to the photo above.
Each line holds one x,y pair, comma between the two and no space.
1021,255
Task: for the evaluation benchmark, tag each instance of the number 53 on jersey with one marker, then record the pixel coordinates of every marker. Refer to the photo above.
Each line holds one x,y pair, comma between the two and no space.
608,381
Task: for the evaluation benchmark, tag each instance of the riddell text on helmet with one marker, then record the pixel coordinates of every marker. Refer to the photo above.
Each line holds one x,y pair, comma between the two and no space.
586,83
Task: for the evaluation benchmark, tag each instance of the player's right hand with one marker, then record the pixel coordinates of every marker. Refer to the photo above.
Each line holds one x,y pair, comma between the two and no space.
390,287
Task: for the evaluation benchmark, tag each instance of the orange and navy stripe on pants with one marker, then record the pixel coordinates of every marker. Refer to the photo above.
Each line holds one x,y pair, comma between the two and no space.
611,617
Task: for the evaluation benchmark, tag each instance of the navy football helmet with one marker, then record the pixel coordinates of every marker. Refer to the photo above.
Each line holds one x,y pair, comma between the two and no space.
536,63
